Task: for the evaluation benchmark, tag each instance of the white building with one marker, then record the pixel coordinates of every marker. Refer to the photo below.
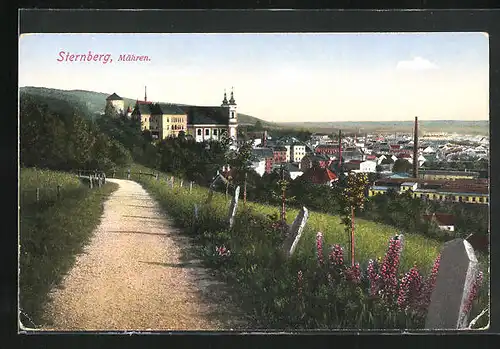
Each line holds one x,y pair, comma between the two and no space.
298,151
259,166
368,166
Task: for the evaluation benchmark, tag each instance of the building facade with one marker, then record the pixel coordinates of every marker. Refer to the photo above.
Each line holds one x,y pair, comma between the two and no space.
203,123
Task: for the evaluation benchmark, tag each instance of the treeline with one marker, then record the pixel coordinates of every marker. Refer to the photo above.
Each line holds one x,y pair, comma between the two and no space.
54,135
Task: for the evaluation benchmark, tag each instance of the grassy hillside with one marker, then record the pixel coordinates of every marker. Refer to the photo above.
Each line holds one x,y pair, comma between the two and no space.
52,231
94,102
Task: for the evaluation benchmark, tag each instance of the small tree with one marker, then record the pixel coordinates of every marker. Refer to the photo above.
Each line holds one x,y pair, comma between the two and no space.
352,196
280,194
402,165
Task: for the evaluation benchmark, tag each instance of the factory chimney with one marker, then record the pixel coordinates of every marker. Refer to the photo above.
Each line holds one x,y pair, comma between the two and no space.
415,149
340,148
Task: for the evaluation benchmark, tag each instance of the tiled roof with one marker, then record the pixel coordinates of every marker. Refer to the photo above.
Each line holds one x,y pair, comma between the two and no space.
262,152
143,109
166,109
114,97
319,175
206,115
279,148
441,218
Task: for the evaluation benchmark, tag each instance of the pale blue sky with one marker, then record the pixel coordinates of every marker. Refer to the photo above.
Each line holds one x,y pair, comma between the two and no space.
280,77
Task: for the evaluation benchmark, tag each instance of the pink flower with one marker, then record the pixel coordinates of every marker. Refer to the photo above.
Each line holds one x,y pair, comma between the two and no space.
319,247
299,283
409,290
336,255
388,270
222,251
428,287
473,292
353,274
373,277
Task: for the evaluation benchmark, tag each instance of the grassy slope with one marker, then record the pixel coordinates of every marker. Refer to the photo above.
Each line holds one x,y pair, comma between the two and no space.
52,232
94,102
371,238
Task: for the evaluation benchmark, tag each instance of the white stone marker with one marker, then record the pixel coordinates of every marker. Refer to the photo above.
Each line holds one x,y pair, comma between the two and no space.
458,269
234,206
295,232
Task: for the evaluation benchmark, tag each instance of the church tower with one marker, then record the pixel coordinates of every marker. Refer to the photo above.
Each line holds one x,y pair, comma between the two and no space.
233,117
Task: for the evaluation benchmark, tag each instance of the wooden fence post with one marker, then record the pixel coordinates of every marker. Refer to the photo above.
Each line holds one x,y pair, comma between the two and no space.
58,191
90,182
37,194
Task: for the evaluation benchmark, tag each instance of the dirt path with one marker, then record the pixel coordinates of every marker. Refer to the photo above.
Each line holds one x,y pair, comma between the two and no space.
131,276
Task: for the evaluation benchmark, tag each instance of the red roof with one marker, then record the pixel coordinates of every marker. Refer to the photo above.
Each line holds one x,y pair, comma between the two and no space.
479,241
404,156
395,146
319,175
371,157
441,218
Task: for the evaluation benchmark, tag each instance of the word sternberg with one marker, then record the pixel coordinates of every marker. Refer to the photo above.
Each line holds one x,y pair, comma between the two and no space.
99,57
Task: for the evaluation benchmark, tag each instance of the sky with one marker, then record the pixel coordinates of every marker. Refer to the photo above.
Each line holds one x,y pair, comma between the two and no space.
279,77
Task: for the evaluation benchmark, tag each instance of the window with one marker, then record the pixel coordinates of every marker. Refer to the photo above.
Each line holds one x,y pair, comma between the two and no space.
460,198
473,199
199,132
215,132
207,132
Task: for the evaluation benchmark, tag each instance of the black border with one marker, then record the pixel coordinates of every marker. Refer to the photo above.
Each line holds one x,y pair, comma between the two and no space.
106,21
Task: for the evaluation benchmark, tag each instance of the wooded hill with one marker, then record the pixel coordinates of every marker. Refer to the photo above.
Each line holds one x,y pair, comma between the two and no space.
92,103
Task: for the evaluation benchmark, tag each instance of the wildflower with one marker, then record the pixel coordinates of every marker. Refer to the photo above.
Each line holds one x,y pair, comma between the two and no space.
389,268
353,274
299,283
373,277
473,292
319,247
336,255
409,289
428,286
222,251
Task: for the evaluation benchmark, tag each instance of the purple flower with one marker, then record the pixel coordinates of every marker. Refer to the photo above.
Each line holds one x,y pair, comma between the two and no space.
409,290
473,292
353,274
299,283
336,255
428,286
388,270
319,247
373,277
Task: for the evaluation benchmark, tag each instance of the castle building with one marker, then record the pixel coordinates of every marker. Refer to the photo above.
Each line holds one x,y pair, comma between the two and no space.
115,102
200,122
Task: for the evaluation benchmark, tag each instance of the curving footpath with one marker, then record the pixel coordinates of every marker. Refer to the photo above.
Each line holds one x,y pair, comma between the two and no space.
134,276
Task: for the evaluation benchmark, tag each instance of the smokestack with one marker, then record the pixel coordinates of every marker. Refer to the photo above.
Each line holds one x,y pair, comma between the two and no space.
415,149
145,95
340,148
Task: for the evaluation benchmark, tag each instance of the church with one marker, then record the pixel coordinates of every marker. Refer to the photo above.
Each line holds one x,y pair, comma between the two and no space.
168,120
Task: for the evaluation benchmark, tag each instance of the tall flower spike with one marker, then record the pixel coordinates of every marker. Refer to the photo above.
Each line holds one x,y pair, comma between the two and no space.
319,247
473,292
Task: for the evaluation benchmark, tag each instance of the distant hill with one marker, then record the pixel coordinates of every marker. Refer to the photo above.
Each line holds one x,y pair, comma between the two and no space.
480,127
94,102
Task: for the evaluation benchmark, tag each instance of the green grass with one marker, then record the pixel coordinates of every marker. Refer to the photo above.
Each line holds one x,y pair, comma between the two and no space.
262,281
52,232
